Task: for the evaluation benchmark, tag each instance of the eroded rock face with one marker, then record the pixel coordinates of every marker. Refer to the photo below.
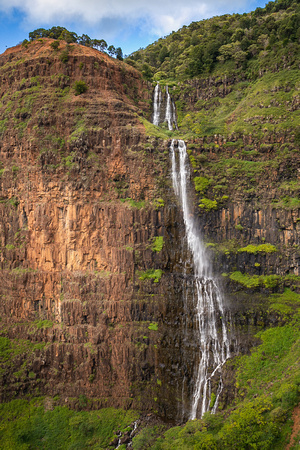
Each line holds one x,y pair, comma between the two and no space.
79,217
91,305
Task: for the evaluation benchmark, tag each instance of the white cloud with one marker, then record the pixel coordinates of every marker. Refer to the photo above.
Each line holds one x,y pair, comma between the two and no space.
160,16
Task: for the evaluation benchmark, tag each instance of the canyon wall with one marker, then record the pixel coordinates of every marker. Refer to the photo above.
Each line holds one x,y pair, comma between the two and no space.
94,264
81,213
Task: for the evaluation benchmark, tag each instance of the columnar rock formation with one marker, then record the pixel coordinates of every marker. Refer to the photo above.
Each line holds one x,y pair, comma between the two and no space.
92,249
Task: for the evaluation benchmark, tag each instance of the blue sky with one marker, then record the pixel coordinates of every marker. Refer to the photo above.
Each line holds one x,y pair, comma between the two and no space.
129,24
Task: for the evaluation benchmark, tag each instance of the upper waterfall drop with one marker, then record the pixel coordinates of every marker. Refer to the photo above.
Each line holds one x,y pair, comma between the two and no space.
164,109
169,110
156,105
209,309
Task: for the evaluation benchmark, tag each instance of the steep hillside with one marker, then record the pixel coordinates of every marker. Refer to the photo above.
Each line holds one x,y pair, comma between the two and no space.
242,45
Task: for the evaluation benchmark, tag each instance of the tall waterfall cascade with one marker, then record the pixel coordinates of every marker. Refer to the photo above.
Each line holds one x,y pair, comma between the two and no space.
209,309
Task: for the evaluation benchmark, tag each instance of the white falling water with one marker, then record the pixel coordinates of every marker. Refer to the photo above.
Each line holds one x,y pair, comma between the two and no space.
214,344
156,105
169,110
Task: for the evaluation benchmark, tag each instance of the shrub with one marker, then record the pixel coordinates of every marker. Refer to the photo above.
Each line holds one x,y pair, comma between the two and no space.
54,45
64,57
153,326
80,87
133,203
151,274
158,203
201,184
239,227
25,43
158,243
208,204
248,428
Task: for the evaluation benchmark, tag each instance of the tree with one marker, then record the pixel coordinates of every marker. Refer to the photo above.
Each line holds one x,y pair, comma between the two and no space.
85,40
163,54
111,50
100,44
119,53
36,34
147,72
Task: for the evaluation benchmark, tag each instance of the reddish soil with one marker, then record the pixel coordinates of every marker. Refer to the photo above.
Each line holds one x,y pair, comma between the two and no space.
296,428
41,47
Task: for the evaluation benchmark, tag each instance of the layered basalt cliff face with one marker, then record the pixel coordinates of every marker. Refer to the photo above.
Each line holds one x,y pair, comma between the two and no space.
96,298
83,230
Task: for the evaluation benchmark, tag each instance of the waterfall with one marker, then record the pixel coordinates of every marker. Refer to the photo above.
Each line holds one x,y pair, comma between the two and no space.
170,110
211,325
156,105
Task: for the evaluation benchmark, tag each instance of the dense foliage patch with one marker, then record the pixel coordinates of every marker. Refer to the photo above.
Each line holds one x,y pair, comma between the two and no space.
30,424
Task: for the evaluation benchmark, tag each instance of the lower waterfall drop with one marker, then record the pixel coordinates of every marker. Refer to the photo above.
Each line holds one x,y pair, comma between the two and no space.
211,325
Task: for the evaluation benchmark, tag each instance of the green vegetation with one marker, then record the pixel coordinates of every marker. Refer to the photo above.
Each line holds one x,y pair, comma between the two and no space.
239,227
252,64
55,45
147,436
151,274
80,87
253,51
12,348
3,126
287,203
255,281
133,203
208,204
262,248
152,130
268,388
285,303
27,424
158,203
43,324
79,131
201,184
225,44
269,281
22,270
10,247
158,243
62,34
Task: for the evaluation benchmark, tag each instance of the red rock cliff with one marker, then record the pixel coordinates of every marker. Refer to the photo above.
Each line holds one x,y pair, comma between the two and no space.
80,187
